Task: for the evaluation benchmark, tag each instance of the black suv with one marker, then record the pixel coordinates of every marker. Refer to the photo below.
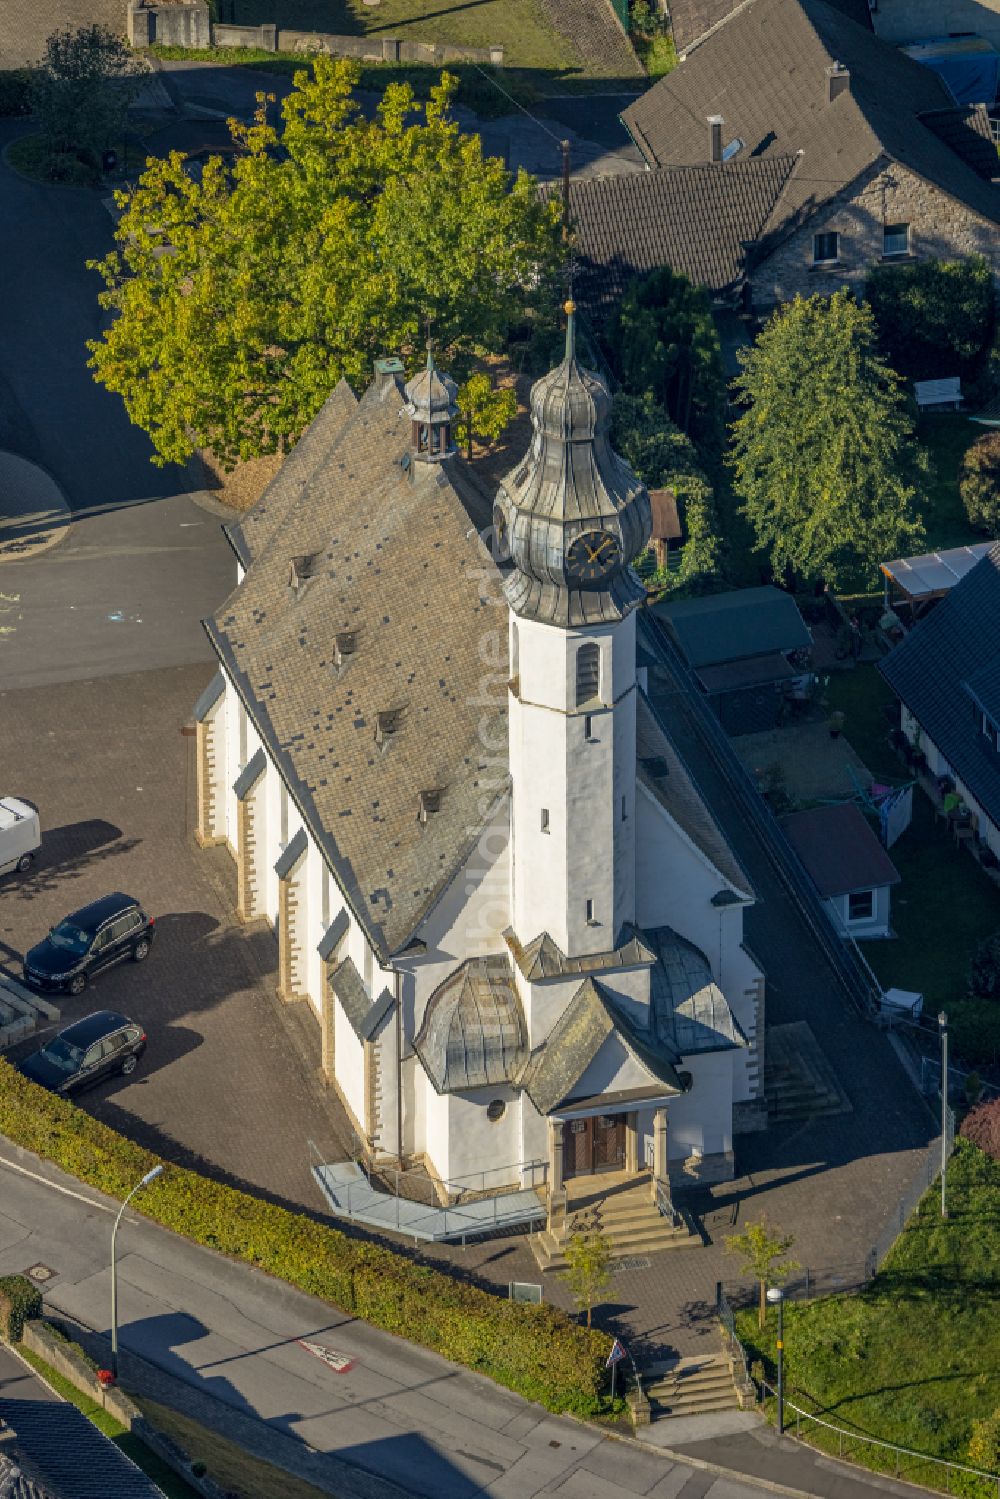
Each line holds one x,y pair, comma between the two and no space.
93,938
87,1051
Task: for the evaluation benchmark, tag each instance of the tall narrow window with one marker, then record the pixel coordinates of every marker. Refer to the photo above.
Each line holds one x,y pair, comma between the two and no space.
241,714
325,898
369,969
624,810
283,814
588,726
545,819
588,673
590,913
515,664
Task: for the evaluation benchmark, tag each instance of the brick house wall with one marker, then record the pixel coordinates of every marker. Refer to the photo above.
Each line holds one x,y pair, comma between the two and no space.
886,194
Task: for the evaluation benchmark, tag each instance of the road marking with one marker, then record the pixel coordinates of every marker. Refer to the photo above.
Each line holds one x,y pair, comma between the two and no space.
56,1186
340,1363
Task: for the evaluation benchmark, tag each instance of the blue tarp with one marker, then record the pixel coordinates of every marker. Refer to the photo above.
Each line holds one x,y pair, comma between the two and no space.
967,65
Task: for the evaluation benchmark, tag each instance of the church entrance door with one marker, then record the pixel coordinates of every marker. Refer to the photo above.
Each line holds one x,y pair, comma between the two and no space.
595,1144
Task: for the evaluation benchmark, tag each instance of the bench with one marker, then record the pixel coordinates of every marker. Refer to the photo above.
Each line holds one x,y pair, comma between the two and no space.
939,392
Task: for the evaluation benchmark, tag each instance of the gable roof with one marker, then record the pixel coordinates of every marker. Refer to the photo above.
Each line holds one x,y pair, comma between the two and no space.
765,72
398,563
735,625
839,849
699,219
946,672
691,1014
690,20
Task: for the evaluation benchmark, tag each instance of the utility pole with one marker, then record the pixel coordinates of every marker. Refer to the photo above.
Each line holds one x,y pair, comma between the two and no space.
943,1027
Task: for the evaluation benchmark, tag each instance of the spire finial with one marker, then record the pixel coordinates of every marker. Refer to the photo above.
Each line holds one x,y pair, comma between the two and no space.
569,307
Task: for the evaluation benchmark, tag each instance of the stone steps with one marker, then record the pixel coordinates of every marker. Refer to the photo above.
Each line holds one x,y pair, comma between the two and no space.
630,1226
690,1388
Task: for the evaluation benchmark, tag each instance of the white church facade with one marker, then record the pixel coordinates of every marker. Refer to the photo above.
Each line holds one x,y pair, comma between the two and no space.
429,751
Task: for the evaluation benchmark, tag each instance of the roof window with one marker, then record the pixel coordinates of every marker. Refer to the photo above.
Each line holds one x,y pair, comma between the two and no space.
301,569
386,725
430,801
344,646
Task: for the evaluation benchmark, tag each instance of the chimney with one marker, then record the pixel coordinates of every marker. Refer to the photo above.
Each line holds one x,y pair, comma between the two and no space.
386,371
838,81
715,124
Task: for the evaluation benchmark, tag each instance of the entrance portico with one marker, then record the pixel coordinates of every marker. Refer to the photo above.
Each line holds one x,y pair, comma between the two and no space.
591,1138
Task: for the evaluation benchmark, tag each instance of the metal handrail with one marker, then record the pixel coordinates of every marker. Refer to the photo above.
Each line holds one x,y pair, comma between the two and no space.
862,1437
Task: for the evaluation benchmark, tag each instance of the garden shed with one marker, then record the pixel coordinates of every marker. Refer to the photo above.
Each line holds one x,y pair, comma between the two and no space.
848,865
746,648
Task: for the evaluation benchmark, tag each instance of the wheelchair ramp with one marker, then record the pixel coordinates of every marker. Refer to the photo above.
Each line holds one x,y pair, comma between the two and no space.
351,1195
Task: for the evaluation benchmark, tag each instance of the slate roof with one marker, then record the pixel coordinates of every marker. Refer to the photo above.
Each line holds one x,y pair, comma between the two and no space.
473,1031
691,19
398,563
543,958
365,1015
735,625
690,1012
839,849
249,536
946,667
699,219
15,1484
765,72
557,1065
664,774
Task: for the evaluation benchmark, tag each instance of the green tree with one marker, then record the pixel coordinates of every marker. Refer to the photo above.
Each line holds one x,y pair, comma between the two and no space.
979,483
588,1257
483,412
239,300
762,1250
665,458
934,318
82,90
824,455
984,1444
663,338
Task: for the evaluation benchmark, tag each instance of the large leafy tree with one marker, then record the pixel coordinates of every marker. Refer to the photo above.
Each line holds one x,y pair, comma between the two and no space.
665,458
825,457
239,300
82,89
663,338
934,318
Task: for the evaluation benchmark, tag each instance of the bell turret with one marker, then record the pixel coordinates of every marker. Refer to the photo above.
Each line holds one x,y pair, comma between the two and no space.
572,516
431,402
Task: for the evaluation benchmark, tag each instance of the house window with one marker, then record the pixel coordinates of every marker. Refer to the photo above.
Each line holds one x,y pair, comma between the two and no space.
896,239
545,819
861,905
588,726
588,673
591,919
826,247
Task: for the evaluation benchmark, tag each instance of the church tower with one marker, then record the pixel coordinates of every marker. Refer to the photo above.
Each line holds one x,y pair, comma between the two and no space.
571,519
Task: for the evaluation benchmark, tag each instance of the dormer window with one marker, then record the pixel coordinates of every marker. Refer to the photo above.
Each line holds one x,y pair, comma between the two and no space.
301,569
430,802
345,644
386,725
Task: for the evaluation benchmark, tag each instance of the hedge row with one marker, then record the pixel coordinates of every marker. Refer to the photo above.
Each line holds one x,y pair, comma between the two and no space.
537,1351
20,1300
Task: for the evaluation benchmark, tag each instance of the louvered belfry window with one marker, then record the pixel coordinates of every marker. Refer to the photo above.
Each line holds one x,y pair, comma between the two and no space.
588,673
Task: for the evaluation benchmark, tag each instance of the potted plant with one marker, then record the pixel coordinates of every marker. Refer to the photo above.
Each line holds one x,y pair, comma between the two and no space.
835,723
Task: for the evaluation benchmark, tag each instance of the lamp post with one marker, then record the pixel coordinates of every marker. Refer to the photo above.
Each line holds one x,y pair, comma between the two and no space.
943,1028
776,1297
150,1176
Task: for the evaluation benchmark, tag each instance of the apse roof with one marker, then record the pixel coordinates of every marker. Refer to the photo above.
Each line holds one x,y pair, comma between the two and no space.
473,1032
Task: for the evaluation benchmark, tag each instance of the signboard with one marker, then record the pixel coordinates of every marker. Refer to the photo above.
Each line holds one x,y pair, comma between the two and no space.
338,1362
522,1290
616,1355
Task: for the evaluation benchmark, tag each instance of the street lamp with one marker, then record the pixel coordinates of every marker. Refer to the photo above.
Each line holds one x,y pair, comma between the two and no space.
776,1297
149,1177
943,1028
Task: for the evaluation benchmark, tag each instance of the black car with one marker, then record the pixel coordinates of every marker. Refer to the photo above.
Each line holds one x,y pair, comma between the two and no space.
93,938
87,1051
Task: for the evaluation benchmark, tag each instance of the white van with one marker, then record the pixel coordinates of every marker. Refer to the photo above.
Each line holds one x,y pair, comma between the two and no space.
20,836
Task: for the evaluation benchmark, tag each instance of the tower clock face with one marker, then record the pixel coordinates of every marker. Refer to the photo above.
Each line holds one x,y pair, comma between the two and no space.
592,556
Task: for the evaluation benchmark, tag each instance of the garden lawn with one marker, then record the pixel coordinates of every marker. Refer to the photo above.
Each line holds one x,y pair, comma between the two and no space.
945,904
519,26
946,438
914,1358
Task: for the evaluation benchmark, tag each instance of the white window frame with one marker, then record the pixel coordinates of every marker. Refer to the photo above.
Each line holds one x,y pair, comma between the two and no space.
869,915
888,254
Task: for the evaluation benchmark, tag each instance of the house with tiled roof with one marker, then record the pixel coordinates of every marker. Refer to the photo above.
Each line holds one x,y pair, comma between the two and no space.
946,674
494,881
790,151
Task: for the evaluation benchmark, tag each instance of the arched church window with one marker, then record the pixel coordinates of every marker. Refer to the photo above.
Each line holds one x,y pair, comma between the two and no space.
588,673
515,654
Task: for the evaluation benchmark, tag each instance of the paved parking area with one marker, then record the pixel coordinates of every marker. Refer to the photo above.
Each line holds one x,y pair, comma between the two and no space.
224,1085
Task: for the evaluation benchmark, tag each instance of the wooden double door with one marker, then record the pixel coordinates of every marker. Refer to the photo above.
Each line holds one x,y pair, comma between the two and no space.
595,1144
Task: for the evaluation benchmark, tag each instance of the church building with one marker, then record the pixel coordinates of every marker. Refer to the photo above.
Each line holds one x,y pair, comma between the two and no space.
429,750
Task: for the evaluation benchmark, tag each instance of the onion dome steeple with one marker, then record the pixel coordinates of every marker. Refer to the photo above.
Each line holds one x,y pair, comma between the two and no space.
432,404
572,516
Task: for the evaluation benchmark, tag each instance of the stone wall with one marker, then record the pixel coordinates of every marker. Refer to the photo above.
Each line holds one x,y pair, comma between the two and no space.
915,20
887,194
188,25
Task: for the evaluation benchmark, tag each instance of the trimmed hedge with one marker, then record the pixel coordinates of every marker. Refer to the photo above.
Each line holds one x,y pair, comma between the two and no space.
15,91
20,1300
536,1351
